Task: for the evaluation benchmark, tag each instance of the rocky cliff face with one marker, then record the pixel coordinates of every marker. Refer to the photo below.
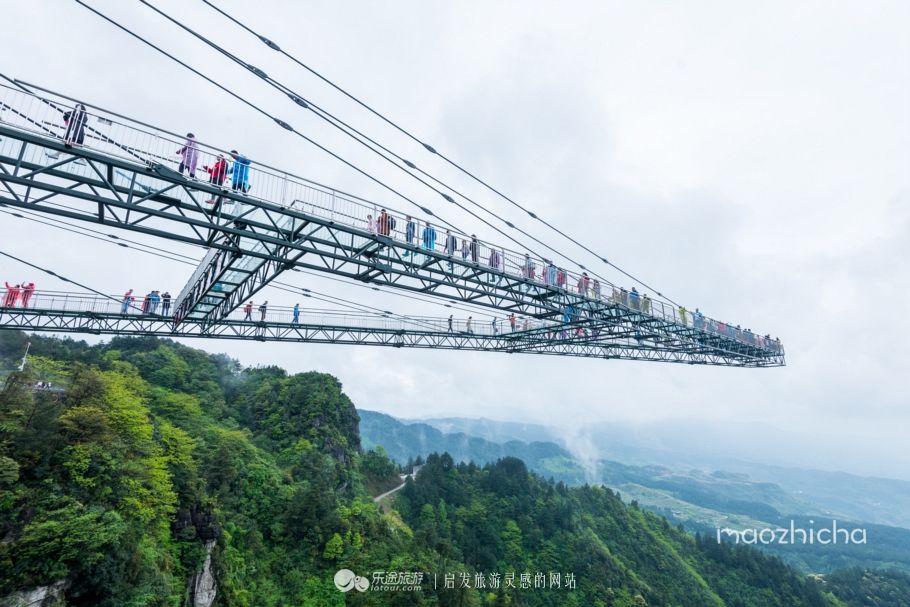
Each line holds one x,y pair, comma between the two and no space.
203,587
42,596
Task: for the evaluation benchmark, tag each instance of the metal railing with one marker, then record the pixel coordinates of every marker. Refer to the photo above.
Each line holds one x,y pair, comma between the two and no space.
121,137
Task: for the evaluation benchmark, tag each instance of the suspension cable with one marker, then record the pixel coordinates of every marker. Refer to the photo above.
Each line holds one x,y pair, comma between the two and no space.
432,150
361,138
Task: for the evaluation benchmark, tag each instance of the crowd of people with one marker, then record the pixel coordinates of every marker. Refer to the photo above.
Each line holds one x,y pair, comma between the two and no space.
238,170
551,275
148,304
18,294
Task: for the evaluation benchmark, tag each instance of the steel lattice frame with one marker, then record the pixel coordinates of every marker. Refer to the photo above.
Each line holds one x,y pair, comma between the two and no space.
618,347
157,201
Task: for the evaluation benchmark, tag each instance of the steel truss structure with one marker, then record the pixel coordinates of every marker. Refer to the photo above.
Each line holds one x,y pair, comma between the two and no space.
616,346
252,240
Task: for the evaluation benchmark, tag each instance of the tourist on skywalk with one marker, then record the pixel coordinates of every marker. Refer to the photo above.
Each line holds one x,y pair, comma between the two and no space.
127,300
493,262
296,314
597,293
468,327
218,172
248,310
384,226
190,155
566,319
166,303
698,319
683,316
634,300
524,323
451,244
154,300
12,295
27,290
428,238
465,248
263,308
240,172
495,326
410,233
75,121
512,321
450,322
550,277
583,284
646,304
371,224
145,303
528,269
474,248
561,278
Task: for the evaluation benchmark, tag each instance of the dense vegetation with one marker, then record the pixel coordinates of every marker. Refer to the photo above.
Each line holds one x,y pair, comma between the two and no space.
145,451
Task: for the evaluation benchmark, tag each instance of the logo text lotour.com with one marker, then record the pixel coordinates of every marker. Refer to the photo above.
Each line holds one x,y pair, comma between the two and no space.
794,535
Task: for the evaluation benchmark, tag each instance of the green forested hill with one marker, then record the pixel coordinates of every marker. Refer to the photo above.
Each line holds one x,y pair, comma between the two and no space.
145,456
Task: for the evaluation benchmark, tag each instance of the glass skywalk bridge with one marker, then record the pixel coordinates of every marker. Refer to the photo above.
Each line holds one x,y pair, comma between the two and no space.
125,176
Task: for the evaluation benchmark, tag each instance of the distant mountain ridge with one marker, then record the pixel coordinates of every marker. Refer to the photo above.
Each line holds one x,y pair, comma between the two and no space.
701,500
403,441
884,501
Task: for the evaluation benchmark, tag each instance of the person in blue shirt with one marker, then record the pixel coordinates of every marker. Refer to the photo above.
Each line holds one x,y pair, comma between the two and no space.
428,237
240,172
296,318
634,300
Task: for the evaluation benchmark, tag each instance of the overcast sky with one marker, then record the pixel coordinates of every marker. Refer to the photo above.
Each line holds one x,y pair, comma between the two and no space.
750,159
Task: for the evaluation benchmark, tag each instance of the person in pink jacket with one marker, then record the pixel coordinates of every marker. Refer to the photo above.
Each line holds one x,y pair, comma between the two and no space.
12,295
190,154
27,291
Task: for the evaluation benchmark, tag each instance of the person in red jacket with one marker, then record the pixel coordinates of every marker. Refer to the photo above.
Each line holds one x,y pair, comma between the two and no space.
27,291
12,295
218,172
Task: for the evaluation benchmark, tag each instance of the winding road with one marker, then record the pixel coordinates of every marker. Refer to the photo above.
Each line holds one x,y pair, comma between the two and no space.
404,480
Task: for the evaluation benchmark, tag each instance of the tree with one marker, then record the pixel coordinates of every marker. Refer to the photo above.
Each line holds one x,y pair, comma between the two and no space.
333,548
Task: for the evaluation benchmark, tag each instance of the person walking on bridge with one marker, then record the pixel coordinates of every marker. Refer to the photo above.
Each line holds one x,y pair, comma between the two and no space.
166,303
75,121
27,291
512,321
429,237
154,300
634,300
410,233
384,225
218,172
240,172
12,295
190,155
126,302
468,327
296,314
450,322
263,308
451,245
248,310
